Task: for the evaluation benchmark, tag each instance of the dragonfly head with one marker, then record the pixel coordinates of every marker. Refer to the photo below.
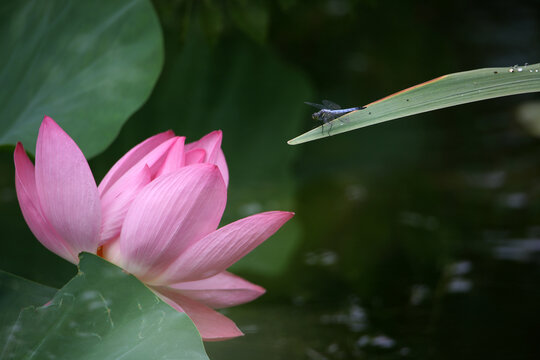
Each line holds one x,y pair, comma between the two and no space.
317,115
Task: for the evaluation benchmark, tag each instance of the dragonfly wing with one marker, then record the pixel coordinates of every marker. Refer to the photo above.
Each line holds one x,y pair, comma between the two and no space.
318,106
330,105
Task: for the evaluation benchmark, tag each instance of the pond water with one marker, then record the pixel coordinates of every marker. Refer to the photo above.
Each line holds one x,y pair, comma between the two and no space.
430,253
414,239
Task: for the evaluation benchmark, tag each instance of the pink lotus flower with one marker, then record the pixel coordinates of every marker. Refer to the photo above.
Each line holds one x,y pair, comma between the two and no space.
155,214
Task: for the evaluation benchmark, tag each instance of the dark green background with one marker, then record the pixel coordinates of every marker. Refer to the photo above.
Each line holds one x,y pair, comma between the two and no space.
380,211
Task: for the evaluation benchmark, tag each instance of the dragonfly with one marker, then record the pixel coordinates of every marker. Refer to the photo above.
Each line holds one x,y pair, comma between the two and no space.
330,111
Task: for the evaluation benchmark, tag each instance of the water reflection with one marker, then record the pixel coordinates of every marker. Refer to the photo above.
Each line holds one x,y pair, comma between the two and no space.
419,294
416,220
354,318
460,268
488,180
381,341
321,258
515,200
312,354
459,285
524,250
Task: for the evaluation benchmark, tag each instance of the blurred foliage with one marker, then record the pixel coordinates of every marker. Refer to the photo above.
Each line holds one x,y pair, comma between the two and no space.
412,239
236,87
216,17
88,65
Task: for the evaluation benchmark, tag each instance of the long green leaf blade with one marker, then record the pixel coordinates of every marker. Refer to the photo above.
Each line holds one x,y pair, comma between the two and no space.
447,90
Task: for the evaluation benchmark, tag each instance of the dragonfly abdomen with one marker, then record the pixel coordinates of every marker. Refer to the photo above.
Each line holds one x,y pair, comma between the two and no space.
340,112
